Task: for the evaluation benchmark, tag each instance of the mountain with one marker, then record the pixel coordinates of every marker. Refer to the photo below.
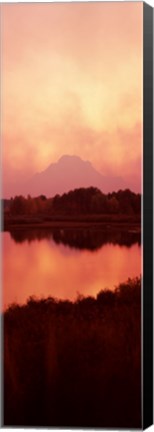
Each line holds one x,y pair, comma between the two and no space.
70,172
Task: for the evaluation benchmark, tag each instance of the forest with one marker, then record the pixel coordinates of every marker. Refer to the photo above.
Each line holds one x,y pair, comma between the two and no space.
79,201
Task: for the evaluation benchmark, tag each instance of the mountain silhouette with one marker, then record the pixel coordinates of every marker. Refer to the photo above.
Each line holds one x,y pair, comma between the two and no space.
70,172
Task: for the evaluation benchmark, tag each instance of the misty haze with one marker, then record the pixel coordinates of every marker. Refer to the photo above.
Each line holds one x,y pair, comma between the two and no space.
71,226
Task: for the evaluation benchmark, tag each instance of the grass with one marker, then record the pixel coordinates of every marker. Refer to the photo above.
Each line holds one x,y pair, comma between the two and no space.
71,221
74,364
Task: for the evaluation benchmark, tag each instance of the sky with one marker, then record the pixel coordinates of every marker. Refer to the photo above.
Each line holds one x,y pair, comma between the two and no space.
71,84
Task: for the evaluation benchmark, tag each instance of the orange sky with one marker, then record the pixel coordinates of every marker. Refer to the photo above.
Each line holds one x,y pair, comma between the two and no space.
71,84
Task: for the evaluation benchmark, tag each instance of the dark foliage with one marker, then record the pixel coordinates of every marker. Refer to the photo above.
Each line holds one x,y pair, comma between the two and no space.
79,201
74,364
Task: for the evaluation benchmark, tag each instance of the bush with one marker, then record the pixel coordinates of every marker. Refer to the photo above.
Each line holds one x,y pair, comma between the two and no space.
70,365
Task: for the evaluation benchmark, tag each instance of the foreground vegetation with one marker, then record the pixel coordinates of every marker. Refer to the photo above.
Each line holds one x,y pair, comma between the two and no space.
74,364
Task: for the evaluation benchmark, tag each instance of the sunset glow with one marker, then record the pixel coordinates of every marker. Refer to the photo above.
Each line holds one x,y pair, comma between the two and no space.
45,263
72,84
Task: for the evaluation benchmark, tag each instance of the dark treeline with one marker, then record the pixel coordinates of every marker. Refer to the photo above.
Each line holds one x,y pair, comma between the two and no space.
79,201
91,238
74,363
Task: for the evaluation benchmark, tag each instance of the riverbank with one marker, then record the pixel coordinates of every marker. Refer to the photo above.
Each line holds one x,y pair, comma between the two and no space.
132,223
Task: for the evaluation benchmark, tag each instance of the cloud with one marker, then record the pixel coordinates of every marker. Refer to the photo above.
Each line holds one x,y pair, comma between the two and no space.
70,84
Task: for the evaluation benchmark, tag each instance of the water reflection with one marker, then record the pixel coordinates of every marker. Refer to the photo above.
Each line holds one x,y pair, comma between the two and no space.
52,268
79,238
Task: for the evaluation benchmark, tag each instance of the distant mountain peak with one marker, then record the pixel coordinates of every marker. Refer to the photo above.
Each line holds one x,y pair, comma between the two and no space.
68,173
70,158
67,156
74,159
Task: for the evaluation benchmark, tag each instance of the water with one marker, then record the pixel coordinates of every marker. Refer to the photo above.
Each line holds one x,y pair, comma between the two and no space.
65,263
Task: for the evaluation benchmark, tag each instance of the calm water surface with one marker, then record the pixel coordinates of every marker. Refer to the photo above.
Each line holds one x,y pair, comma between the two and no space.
38,265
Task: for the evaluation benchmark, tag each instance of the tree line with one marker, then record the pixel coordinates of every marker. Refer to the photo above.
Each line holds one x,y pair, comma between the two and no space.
79,201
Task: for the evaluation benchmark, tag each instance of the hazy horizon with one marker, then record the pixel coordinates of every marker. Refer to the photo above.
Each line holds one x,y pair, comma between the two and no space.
72,84
70,172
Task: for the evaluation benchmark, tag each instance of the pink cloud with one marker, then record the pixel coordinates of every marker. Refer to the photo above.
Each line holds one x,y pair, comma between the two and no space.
71,85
